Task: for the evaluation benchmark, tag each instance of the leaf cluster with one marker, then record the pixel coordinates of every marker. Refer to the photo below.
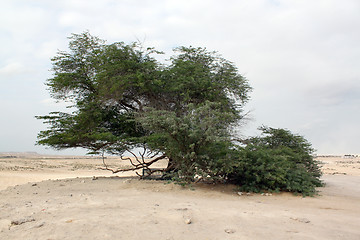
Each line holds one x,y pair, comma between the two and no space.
276,161
194,141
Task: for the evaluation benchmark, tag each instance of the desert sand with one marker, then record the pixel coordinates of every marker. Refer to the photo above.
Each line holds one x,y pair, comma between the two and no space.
57,197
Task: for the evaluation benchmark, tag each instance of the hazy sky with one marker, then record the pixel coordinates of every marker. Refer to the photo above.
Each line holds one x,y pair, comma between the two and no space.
302,57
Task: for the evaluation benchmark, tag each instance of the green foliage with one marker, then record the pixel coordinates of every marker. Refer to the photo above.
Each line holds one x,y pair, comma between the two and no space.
196,142
278,160
103,84
120,97
109,84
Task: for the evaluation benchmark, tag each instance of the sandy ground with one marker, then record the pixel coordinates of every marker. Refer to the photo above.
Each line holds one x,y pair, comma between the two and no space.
76,205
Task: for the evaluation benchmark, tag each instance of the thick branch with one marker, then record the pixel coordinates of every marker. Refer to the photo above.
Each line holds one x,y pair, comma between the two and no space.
135,166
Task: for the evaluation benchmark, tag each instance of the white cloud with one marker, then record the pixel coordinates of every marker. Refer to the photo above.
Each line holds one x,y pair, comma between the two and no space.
72,18
12,69
301,57
48,49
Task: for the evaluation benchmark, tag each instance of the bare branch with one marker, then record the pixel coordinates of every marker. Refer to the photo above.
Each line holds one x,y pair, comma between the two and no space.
128,159
135,166
152,154
137,159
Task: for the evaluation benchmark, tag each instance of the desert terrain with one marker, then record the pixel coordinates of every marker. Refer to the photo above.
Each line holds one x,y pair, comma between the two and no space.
64,197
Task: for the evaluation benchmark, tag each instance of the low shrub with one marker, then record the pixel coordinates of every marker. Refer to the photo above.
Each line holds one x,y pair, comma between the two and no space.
276,161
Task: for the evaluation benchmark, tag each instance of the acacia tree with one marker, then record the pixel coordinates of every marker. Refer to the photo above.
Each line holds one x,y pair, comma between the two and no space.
122,98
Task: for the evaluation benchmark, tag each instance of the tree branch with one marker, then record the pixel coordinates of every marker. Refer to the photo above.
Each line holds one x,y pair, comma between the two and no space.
135,166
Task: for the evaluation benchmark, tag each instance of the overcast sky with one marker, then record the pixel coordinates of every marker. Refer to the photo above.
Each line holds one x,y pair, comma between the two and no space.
302,57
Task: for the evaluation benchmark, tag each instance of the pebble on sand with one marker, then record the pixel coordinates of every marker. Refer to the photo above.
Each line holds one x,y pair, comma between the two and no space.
188,221
230,231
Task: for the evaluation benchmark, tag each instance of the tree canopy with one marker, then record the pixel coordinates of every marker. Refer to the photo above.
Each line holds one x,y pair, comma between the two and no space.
184,110
120,92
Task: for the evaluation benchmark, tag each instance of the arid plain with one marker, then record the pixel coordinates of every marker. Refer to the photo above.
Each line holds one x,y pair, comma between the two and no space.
63,197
